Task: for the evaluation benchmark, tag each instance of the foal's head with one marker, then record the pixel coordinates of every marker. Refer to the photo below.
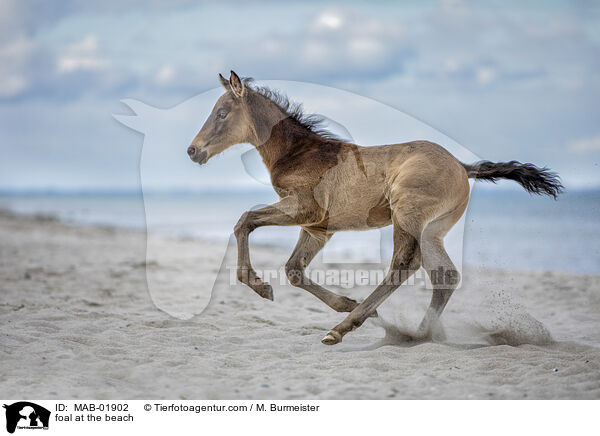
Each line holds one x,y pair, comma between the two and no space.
228,124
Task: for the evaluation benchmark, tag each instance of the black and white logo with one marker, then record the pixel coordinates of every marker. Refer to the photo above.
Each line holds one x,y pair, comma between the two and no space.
26,415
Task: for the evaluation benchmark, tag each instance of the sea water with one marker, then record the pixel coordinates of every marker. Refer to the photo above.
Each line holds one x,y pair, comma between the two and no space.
506,229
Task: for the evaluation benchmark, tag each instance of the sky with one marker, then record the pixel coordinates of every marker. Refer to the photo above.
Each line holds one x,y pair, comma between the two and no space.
506,80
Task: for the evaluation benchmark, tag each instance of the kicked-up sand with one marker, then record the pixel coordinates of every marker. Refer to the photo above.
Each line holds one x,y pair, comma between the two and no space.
77,321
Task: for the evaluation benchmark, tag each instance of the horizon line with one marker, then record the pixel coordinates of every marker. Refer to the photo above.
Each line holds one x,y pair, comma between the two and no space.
229,189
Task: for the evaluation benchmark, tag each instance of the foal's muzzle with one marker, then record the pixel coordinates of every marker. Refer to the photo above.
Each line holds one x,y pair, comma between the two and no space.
196,155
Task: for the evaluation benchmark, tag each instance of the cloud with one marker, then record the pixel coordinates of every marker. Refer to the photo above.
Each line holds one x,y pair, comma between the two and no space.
474,46
16,50
81,56
352,44
165,75
328,20
485,75
454,45
330,44
584,146
14,55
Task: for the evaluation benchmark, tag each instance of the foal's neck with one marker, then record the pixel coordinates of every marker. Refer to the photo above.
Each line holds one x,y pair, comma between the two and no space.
276,133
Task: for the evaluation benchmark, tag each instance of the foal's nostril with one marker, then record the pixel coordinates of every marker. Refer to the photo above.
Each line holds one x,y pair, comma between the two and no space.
191,151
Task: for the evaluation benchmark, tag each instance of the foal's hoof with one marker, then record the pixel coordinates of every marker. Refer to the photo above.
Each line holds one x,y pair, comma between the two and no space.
332,338
267,292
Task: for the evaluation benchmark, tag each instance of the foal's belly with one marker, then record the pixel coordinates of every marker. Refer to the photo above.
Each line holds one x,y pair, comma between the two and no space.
356,212
361,220
353,199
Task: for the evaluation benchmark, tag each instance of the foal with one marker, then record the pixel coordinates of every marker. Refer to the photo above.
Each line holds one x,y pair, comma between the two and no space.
326,185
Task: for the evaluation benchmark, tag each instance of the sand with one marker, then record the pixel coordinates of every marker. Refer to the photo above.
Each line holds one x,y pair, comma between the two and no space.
77,321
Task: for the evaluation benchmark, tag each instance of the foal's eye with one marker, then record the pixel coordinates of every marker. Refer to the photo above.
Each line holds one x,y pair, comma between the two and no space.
222,115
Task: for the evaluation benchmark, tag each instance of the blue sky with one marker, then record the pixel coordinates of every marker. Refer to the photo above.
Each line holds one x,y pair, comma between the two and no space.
507,80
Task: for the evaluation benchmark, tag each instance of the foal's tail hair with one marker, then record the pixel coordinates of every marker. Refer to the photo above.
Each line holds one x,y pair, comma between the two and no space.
540,181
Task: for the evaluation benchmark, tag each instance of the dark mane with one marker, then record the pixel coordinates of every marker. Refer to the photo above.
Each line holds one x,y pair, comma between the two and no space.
313,123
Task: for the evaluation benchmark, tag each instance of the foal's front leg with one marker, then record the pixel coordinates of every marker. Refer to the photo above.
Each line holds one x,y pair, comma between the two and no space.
282,213
306,249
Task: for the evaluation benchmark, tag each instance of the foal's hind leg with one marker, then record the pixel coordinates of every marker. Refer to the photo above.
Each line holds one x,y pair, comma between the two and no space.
443,274
306,249
405,261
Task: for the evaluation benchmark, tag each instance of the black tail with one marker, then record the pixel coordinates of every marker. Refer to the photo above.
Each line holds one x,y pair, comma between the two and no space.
535,180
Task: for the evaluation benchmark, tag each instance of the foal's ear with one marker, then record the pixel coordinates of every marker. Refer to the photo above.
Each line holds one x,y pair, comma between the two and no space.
225,83
237,86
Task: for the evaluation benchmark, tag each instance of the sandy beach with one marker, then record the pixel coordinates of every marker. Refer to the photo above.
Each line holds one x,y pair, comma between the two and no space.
77,321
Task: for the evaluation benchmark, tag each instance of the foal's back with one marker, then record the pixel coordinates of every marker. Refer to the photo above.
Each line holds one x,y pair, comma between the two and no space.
367,185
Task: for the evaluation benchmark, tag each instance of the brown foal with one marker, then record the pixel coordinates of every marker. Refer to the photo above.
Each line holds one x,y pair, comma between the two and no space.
326,185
